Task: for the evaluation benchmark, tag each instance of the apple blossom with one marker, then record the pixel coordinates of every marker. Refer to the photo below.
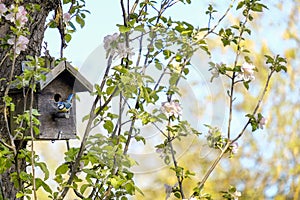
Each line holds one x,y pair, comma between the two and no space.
3,9
215,73
19,17
66,17
113,44
262,122
162,153
234,147
236,195
168,189
247,72
109,41
172,108
19,44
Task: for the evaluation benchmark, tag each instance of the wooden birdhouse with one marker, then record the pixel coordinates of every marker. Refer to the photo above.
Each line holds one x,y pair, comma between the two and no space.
55,101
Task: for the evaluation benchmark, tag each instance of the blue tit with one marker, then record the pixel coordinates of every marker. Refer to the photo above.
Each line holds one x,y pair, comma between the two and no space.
65,106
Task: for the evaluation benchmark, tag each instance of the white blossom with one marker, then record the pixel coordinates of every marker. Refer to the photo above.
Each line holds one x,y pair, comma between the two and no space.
109,41
172,108
247,72
234,147
162,153
236,195
114,45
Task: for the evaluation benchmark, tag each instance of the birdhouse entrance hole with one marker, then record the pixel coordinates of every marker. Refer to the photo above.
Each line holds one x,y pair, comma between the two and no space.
57,97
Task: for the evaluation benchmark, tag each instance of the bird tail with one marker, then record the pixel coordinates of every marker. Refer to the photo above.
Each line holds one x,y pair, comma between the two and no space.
70,98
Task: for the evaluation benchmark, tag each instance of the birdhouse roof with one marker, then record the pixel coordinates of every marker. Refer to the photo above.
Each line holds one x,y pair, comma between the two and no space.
70,74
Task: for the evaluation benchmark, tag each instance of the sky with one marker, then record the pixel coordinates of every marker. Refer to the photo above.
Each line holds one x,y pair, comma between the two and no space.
101,22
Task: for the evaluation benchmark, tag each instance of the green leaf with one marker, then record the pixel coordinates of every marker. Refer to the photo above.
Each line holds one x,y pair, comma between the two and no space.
159,44
52,24
64,168
80,21
129,187
241,3
258,7
72,26
108,125
124,29
177,195
39,182
186,71
173,79
44,169
46,188
12,107
158,64
246,84
110,89
140,138
20,194
86,117
84,187
115,183
36,130
68,38
140,28
167,53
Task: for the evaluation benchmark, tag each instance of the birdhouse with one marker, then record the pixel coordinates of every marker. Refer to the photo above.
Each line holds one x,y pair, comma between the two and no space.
55,101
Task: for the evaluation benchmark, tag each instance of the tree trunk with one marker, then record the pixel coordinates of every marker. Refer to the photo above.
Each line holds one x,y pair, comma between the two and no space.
36,27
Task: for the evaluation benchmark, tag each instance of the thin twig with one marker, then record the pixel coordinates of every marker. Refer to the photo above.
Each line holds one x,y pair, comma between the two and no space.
257,106
179,178
12,144
2,61
238,52
123,12
213,166
218,23
32,136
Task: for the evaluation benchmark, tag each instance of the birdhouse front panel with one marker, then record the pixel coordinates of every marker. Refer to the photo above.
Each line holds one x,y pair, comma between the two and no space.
57,106
55,102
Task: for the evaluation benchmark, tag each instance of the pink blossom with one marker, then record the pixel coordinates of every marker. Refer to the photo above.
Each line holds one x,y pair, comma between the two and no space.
247,72
262,122
20,44
19,18
66,17
172,108
3,9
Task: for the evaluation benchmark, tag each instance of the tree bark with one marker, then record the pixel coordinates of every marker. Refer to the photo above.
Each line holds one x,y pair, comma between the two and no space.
36,27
